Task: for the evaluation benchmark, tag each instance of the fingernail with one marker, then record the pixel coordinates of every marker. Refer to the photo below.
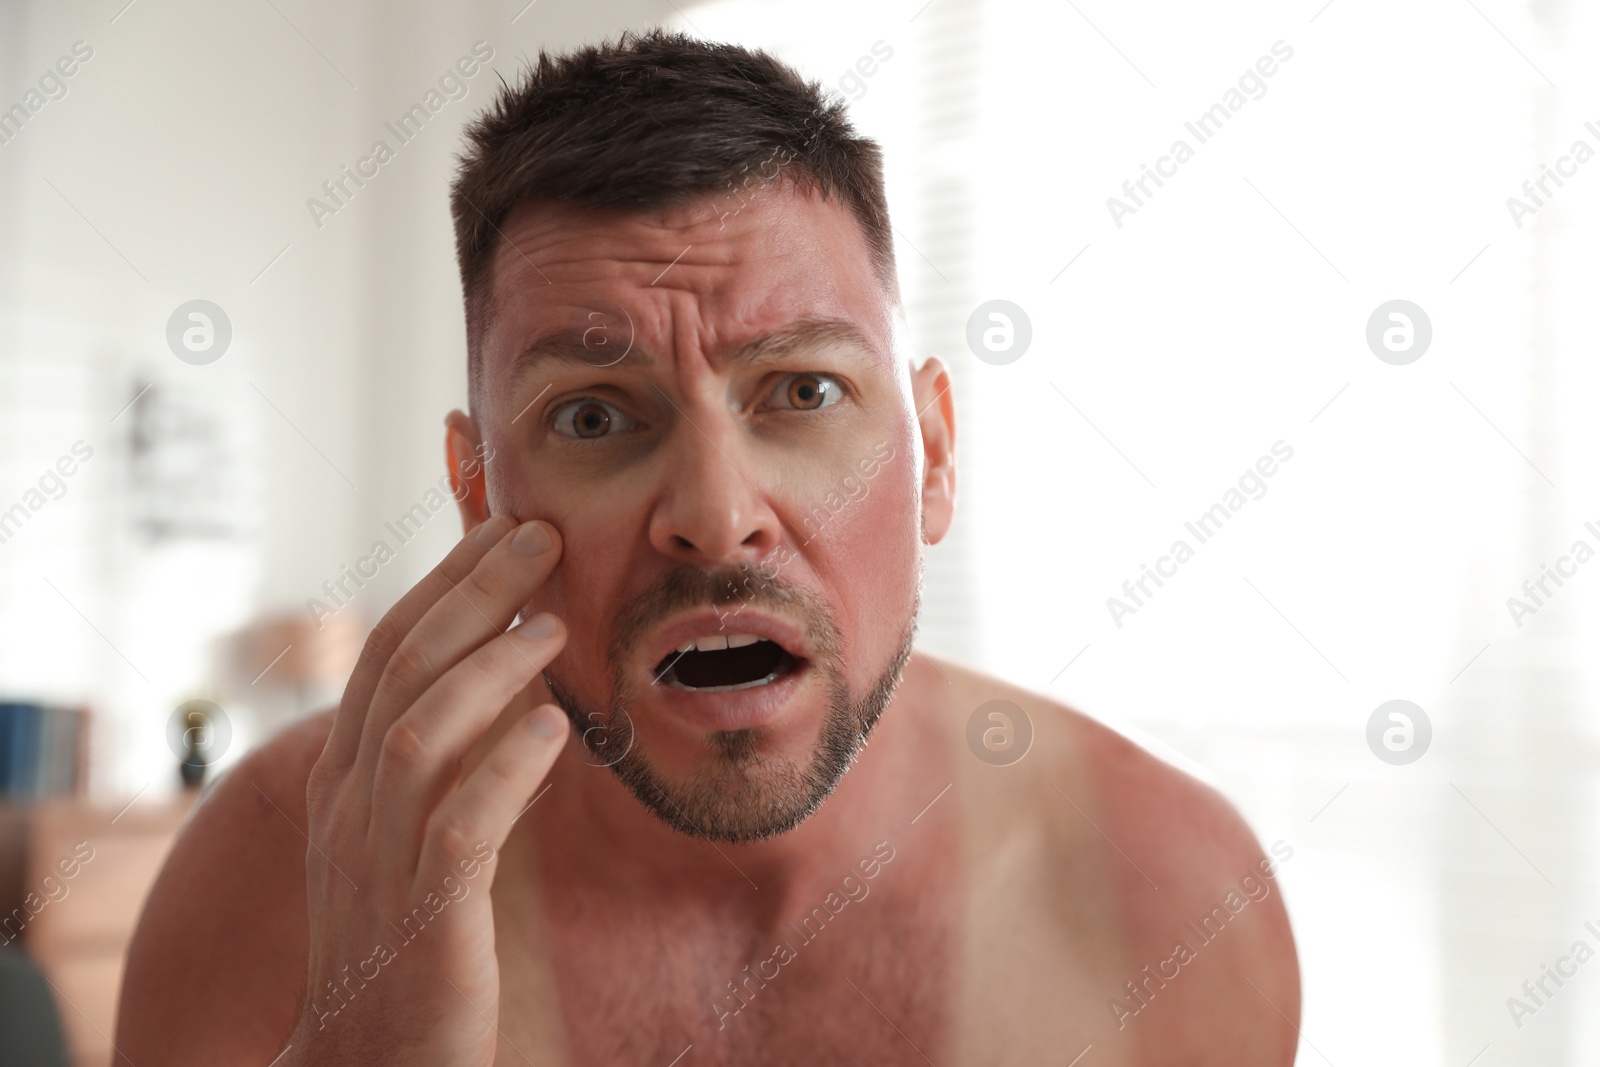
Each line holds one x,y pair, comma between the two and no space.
538,628
490,531
545,722
532,540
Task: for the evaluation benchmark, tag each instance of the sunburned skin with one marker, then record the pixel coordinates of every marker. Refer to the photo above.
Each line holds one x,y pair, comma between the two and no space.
927,906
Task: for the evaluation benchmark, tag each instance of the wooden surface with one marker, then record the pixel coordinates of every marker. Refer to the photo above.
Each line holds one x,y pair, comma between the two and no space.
78,926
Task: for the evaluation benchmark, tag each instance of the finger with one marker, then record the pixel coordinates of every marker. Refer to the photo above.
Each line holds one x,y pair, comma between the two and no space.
422,752
479,608
498,791
345,736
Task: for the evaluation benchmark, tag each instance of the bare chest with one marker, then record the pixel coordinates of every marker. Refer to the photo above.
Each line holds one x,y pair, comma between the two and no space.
977,971
851,980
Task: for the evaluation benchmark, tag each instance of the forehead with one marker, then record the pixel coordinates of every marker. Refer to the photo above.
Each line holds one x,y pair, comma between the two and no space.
700,280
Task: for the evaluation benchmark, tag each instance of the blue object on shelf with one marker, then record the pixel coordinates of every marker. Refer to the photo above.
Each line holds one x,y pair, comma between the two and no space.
39,750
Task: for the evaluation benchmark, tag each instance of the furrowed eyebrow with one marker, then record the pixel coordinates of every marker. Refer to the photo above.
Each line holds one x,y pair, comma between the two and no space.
568,347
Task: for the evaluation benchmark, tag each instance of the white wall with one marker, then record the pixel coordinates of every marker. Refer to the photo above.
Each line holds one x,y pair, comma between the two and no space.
178,165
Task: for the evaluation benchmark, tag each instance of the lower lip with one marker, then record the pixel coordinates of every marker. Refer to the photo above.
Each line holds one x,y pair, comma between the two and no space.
734,709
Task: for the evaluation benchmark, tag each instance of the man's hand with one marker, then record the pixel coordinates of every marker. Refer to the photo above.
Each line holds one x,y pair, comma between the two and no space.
402,965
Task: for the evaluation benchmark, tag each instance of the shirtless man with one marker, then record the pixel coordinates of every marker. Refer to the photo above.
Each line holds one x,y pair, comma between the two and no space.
645,825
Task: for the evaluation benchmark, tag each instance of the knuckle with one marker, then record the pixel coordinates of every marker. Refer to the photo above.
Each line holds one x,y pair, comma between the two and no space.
500,773
388,634
484,664
453,836
403,747
322,775
410,665
320,791
498,663
493,673
475,588
501,667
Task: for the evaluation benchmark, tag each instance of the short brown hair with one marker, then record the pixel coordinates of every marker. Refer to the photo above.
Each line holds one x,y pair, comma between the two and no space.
652,120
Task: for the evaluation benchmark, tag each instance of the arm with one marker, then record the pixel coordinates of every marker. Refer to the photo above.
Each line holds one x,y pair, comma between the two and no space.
396,934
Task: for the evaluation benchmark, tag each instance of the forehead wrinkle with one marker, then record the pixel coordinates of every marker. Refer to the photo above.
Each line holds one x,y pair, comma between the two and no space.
544,231
567,347
555,255
689,236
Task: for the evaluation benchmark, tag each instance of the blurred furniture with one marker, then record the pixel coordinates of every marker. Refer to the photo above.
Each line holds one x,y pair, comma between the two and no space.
43,750
76,928
30,1025
285,664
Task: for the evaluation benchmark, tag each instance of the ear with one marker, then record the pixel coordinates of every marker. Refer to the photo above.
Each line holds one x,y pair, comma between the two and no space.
930,391
466,455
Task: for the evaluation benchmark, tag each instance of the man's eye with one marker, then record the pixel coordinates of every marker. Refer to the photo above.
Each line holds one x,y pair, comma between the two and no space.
590,419
808,392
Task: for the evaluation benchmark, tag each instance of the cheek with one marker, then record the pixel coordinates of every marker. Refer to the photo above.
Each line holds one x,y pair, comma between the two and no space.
584,591
891,533
598,538
867,556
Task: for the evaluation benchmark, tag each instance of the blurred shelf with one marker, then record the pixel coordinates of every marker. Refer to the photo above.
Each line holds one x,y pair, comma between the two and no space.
74,877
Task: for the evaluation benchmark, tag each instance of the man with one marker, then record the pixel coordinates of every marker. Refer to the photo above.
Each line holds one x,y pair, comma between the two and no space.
701,467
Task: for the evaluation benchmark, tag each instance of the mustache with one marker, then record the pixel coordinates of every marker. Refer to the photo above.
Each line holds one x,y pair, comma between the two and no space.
686,587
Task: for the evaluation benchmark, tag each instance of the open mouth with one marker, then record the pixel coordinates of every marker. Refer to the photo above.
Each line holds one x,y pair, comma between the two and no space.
722,663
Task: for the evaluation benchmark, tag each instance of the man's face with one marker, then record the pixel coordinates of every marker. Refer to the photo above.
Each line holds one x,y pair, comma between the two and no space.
711,404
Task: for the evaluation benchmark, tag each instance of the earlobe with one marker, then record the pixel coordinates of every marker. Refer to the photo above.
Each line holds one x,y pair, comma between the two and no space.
465,457
936,421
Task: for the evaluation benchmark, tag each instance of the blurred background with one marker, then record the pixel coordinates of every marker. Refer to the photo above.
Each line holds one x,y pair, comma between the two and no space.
188,491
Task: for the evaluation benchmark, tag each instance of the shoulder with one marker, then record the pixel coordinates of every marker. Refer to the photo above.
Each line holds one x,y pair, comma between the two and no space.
216,966
1196,893
1141,799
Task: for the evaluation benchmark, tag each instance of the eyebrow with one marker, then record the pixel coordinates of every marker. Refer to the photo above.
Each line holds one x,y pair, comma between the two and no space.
568,347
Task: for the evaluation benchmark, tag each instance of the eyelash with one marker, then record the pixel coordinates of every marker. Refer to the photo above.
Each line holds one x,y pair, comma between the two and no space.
563,414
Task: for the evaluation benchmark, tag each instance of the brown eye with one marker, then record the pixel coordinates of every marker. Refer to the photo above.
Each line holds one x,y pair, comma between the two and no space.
807,392
588,419
591,420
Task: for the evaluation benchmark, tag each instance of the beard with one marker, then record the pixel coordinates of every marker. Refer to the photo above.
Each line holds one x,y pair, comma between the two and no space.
739,794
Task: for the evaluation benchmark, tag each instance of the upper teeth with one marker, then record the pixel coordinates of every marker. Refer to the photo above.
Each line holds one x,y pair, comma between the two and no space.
718,642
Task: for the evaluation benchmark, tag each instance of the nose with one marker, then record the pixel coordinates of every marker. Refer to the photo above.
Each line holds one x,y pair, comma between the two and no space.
712,511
